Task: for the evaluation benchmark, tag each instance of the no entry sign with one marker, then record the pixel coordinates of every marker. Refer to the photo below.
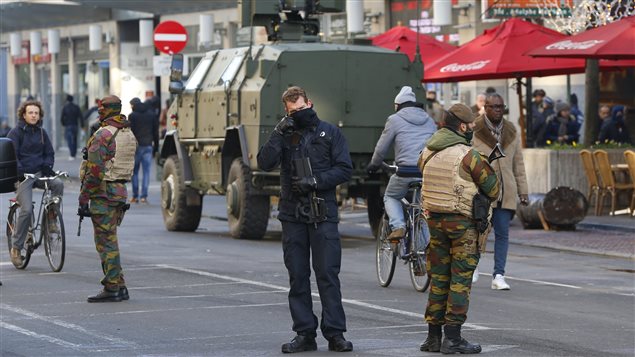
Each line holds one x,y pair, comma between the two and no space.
170,37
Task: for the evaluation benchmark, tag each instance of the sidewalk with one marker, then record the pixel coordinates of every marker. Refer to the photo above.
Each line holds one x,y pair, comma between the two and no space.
604,235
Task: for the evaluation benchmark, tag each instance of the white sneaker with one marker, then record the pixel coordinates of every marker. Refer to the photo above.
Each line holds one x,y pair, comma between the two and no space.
475,276
71,158
498,283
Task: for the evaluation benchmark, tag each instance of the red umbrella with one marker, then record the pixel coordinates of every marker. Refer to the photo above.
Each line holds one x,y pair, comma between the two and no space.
404,39
498,53
613,41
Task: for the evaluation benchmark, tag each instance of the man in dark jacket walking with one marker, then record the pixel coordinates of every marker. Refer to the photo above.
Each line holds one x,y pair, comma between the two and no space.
301,135
145,126
72,119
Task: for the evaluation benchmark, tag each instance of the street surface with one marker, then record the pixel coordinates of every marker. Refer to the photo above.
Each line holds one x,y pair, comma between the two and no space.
206,294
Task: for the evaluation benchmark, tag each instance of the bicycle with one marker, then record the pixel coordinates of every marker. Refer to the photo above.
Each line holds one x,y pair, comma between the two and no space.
411,251
49,215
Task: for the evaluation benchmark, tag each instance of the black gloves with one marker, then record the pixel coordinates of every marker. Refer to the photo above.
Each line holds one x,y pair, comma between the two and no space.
284,126
48,172
372,168
85,153
83,211
303,185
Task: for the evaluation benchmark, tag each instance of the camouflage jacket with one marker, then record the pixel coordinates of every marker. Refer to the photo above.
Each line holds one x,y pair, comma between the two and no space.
101,148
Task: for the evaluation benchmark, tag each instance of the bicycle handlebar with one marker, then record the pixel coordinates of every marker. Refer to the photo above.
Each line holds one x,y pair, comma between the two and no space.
47,178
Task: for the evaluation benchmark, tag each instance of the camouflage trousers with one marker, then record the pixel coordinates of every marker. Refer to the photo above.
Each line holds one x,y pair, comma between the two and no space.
105,218
452,258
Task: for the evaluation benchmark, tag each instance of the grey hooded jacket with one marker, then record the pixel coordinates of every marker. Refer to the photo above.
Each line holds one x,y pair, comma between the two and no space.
409,129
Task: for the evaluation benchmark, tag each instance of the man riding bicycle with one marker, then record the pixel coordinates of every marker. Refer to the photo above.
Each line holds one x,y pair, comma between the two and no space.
35,155
409,128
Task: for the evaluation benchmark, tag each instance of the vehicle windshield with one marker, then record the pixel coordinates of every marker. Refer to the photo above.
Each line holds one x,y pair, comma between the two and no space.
198,74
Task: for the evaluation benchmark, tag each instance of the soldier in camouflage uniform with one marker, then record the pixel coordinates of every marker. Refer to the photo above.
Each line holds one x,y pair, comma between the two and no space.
105,171
453,253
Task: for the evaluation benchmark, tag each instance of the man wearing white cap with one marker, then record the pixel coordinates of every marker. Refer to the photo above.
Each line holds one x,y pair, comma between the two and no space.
409,129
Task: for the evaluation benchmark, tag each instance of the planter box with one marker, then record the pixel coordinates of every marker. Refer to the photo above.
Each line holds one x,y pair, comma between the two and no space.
547,169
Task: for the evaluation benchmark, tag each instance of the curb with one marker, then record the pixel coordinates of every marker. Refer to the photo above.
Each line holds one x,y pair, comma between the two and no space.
608,227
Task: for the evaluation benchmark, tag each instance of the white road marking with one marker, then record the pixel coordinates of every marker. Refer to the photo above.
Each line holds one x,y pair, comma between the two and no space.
540,282
285,289
38,336
216,307
68,325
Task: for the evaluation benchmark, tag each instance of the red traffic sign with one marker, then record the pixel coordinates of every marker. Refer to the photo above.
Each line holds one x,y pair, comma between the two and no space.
170,37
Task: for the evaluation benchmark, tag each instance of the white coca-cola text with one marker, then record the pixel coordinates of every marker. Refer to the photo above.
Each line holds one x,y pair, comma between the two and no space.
456,67
570,45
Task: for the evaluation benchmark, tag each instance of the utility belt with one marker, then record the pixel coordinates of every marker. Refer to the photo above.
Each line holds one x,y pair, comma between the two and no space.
118,181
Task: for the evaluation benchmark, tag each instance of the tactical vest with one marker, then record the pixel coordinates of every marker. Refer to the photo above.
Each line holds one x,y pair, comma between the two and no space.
121,165
443,190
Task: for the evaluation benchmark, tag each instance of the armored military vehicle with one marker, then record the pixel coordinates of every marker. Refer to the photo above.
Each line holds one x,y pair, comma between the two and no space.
231,103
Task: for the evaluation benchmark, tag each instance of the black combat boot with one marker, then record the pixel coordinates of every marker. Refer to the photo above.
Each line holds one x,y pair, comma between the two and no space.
123,293
300,343
454,343
106,296
433,342
339,344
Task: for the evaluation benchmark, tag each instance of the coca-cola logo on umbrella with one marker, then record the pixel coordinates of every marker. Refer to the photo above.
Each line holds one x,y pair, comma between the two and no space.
456,67
570,45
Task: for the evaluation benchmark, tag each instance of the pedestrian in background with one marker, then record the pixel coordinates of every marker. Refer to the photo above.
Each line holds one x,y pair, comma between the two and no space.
539,126
4,128
491,129
72,120
479,107
145,126
163,119
613,127
305,239
562,127
447,162
409,128
433,107
105,171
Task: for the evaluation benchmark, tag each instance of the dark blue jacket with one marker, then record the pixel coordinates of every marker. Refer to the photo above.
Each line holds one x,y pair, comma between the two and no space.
327,149
72,115
145,126
553,125
32,146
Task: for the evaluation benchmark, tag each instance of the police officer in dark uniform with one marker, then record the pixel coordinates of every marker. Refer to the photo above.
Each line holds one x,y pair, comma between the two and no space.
300,135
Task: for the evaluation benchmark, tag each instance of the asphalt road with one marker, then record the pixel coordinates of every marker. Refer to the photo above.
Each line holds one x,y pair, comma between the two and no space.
207,294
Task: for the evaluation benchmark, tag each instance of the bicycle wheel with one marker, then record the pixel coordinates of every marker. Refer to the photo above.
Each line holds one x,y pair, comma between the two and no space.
417,262
54,237
12,224
386,255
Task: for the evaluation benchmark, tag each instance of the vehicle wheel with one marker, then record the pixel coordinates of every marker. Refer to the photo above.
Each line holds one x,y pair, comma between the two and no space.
386,254
247,213
177,215
375,207
12,224
54,237
420,237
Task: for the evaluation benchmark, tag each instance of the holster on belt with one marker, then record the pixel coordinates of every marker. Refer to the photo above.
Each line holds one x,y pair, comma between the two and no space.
482,213
122,212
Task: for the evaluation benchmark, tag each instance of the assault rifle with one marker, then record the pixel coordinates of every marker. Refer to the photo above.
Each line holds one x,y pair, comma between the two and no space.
315,208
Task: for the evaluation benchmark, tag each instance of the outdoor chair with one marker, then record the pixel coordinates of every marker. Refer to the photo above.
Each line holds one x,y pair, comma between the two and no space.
629,155
608,184
592,178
